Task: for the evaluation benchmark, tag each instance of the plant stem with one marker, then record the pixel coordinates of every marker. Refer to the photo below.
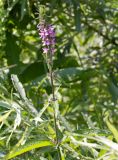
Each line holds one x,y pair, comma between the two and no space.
52,84
53,100
56,131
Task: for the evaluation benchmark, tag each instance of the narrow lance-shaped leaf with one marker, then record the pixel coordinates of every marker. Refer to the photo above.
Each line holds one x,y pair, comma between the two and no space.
5,116
19,88
27,147
111,127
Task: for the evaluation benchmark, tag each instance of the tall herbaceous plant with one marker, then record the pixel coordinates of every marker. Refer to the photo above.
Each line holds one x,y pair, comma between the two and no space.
47,34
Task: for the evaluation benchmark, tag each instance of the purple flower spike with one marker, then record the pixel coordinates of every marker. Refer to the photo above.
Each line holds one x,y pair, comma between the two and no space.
47,34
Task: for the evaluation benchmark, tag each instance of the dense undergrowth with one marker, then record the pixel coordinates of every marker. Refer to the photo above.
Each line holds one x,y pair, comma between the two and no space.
85,76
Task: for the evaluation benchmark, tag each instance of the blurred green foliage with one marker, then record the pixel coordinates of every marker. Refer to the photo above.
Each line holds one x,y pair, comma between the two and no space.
86,79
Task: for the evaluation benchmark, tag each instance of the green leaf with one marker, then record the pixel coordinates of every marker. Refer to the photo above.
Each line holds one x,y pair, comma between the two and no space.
74,74
65,62
111,127
77,15
112,145
4,104
19,88
5,116
32,71
12,51
69,75
113,89
28,147
23,8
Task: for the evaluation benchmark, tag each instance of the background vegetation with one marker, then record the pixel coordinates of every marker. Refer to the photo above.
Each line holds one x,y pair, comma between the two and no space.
86,80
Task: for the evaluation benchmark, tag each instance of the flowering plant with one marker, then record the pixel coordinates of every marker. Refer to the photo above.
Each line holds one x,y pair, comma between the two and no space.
47,34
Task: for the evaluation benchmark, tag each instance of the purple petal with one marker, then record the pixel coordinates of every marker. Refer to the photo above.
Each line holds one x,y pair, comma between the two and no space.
45,50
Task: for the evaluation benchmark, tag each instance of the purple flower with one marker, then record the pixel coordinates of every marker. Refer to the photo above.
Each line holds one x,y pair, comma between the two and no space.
52,50
47,34
46,42
52,41
45,50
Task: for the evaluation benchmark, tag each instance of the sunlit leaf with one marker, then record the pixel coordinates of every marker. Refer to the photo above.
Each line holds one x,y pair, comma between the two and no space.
27,147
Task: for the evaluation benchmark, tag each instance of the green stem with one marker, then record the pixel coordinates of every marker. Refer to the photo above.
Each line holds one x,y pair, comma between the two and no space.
52,84
53,100
56,131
